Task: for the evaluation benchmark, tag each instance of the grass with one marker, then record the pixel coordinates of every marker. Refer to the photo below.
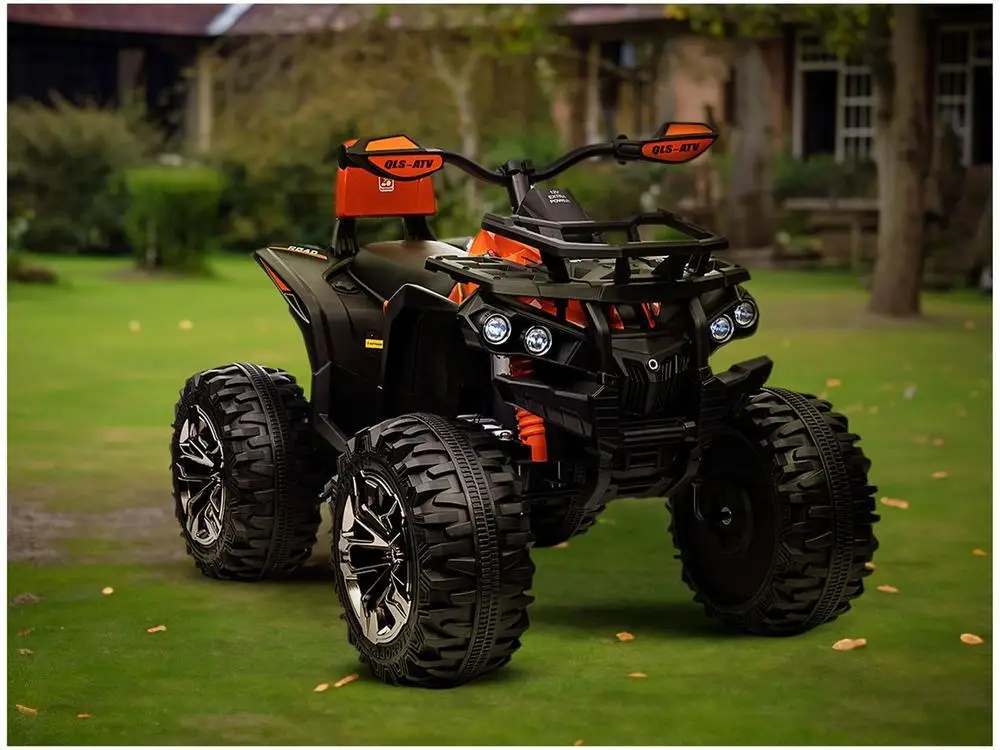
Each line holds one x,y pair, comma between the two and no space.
90,403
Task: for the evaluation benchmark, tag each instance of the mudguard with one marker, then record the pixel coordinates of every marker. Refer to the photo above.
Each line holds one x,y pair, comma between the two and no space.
300,274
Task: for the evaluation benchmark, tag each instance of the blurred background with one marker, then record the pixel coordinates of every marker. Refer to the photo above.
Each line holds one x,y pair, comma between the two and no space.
231,114
151,147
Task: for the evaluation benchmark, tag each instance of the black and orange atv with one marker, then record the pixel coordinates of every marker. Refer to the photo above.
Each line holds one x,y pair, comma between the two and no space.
472,400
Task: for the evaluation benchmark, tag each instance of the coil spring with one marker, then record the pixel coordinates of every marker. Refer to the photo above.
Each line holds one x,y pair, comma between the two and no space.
530,427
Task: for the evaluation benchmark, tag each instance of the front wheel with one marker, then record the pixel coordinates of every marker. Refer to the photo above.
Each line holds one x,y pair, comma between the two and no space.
776,538
430,551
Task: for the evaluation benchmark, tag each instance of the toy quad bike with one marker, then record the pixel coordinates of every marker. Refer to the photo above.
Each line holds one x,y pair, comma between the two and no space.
471,400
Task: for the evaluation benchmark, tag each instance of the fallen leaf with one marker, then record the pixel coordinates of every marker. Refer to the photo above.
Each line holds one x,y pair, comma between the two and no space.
185,325
624,636
909,392
979,552
894,503
133,325
25,598
25,710
971,639
940,475
849,644
969,325
578,743
322,687
562,545
157,629
25,651
25,631
870,566
937,442
346,680
637,675
888,589
107,591
833,383
84,716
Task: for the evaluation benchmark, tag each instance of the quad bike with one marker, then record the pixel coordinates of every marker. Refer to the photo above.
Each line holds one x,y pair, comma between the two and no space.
475,399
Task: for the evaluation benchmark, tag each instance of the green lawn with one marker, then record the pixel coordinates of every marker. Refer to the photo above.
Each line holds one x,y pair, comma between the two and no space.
90,403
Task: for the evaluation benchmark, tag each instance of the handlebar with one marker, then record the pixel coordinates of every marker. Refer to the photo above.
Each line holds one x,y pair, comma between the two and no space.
400,158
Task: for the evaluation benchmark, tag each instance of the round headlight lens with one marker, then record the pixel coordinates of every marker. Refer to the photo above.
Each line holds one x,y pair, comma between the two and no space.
745,314
537,340
496,329
721,328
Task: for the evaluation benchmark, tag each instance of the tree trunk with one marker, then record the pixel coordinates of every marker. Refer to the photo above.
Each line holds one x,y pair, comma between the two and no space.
592,120
750,198
902,150
459,84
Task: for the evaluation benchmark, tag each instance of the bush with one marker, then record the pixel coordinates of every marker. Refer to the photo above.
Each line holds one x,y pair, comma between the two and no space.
64,167
22,271
173,215
822,177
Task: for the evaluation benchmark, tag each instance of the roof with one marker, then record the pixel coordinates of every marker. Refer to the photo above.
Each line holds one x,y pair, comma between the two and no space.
251,19
598,15
171,18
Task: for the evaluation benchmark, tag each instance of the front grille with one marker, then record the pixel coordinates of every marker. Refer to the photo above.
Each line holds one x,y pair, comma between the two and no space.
647,392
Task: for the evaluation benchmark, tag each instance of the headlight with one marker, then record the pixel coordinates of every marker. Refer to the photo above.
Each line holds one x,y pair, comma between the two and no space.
721,329
745,314
537,340
496,329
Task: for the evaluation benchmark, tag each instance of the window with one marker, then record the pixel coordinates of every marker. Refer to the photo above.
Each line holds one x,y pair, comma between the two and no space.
833,105
963,90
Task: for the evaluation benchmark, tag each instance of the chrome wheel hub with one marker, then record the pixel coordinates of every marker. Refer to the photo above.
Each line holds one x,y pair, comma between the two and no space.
372,558
199,472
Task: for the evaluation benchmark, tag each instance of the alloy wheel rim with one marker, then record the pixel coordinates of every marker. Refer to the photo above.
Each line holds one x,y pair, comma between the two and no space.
373,558
198,469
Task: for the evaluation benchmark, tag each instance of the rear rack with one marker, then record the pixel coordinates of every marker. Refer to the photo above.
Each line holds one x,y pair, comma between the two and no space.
644,271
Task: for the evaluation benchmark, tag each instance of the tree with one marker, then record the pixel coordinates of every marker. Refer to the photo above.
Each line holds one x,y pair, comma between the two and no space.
891,41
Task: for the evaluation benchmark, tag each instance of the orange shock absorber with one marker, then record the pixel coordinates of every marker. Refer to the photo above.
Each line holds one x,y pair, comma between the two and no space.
530,427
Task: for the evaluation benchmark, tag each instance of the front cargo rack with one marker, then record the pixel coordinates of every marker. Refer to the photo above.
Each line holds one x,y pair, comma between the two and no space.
643,271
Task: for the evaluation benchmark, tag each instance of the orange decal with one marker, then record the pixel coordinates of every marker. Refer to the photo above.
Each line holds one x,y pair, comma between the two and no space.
677,151
409,167
394,143
276,279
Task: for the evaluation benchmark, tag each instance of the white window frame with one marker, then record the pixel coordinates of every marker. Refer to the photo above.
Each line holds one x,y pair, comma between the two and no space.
967,68
843,101
842,133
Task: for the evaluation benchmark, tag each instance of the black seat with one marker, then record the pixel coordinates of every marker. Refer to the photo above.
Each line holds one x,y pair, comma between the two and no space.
385,266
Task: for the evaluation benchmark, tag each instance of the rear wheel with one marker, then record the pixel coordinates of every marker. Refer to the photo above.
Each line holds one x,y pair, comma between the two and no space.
557,515
776,539
430,551
246,472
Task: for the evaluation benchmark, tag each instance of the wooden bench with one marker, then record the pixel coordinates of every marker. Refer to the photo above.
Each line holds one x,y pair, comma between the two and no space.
857,215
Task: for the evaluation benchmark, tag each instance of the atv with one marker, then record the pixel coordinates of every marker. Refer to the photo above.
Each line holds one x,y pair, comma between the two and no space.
473,399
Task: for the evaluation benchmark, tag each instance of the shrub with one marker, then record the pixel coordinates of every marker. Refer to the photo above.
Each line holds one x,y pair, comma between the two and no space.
64,166
822,177
173,215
